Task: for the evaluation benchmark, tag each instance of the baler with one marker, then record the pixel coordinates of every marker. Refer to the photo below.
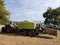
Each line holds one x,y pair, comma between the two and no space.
28,28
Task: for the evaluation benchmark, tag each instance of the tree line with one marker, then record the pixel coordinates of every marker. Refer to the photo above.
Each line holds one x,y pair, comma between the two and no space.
52,16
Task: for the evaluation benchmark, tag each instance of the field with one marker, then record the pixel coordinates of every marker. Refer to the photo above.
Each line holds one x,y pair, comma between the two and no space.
41,39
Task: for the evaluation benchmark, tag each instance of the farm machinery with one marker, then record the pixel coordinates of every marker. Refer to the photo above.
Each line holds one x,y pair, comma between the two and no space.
26,28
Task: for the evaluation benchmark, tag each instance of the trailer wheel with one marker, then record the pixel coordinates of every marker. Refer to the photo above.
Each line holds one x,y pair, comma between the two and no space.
24,33
31,33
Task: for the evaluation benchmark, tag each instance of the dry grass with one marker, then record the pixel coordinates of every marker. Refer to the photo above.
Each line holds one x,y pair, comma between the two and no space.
41,39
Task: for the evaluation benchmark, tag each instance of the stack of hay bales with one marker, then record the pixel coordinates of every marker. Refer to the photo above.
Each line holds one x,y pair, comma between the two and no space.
51,31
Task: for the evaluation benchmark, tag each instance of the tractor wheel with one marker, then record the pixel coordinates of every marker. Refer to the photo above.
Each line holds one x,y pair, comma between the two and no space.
2,30
8,30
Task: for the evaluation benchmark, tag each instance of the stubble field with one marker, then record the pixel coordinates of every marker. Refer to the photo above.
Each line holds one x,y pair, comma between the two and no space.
41,39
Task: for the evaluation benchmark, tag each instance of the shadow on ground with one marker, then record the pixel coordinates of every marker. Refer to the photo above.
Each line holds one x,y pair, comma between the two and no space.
14,34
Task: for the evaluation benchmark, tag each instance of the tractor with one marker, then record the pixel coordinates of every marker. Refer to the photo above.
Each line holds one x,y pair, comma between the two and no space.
26,28
9,28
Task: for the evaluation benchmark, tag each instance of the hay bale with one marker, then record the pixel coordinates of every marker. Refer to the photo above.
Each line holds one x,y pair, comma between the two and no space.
51,31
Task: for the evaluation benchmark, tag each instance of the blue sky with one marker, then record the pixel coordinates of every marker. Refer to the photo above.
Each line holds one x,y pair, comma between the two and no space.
29,9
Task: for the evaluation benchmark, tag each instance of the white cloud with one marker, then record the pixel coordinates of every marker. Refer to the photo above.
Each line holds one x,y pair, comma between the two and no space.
29,9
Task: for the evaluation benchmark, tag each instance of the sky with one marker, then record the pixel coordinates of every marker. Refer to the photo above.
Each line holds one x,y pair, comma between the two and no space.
29,9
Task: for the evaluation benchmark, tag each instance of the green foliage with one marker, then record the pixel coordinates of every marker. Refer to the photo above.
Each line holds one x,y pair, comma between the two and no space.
52,16
4,14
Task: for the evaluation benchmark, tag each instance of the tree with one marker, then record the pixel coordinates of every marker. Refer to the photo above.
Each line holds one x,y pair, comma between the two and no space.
4,14
52,16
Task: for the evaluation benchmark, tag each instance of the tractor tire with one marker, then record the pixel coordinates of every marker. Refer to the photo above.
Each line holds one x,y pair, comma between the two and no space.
8,30
3,29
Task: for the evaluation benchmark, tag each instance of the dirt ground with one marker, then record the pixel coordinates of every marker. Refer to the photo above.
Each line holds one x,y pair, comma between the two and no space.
41,39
